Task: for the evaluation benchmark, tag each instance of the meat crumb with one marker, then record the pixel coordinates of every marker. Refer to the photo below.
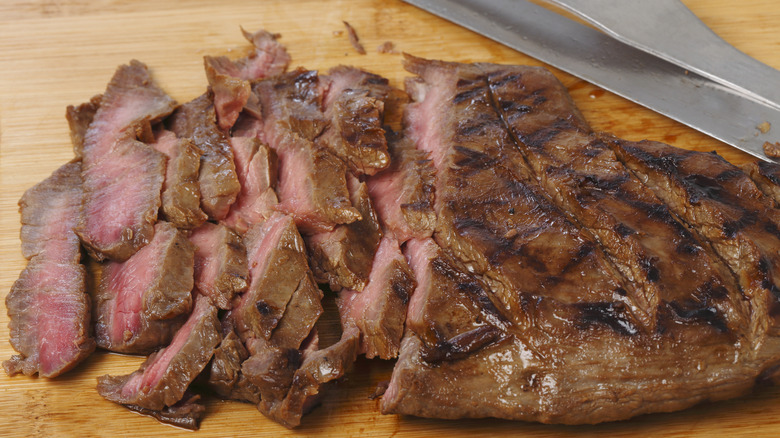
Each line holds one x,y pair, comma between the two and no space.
772,150
353,38
386,47
764,127
381,387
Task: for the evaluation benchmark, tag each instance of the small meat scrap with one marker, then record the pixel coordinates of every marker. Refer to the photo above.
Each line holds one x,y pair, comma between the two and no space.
221,270
386,47
353,38
772,150
162,381
139,304
48,306
180,191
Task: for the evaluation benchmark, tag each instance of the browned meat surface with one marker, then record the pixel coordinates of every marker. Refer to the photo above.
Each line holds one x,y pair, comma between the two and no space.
343,257
187,413
312,181
379,311
180,192
354,104
229,80
644,240
766,175
221,270
47,306
727,208
79,118
256,167
165,376
139,304
403,194
226,376
217,179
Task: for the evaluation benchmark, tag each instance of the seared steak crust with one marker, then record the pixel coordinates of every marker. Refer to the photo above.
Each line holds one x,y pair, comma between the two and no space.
766,175
180,192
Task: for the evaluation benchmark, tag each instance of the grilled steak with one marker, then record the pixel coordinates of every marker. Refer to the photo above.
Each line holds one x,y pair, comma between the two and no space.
403,194
226,376
343,257
312,181
218,182
766,175
221,270
139,304
180,195
79,119
165,376
379,311
47,306
187,413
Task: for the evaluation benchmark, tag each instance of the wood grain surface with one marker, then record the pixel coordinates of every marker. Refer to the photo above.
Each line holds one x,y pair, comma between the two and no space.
59,52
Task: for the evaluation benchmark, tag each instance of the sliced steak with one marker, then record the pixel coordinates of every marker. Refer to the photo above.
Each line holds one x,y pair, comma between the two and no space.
226,376
636,229
221,270
256,167
79,119
354,106
766,175
187,413
726,207
343,257
217,179
165,376
379,311
139,304
403,194
229,80
48,307
312,181
180,195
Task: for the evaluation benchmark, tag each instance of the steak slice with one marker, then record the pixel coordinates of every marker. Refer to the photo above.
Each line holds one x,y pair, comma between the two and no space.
343,257
165,376
226,376
217,179
139,304
187,413
180,192
256,167
403,194
229,80
766,175
636,229
726,207
221,270
312,181
48,307
79,118
354,103
379,311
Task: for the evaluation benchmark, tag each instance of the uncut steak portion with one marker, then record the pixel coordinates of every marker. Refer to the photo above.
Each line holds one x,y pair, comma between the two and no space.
312,181
343,257
139,304
180,192
379,310
48,307
726,207
217,178
164,377
221,270
354,104
403,193
636,229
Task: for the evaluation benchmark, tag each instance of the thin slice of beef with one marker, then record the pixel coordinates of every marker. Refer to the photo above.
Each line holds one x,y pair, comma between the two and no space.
403,194
165,376
306,389
221,270
48,307
583,176
354,104
230,80
217,179
343,257
312,181
766,175
726,207
187,413
256,167
139,304
180,195
79,118
379,311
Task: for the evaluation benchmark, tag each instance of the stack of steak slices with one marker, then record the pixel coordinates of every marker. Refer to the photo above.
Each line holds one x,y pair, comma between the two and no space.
517,264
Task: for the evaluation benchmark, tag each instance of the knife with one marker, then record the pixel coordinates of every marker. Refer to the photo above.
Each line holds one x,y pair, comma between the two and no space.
710,107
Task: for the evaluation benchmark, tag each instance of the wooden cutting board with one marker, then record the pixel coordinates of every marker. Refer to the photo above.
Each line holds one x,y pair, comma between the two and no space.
59,52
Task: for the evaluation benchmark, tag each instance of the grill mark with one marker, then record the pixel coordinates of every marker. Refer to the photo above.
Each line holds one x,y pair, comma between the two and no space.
647,264
623,230
467,95
731,228
468,286
770,171
474,159
697,313
500,78
461,345
611,315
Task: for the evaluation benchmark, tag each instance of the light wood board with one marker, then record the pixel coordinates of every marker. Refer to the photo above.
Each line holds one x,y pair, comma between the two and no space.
59,52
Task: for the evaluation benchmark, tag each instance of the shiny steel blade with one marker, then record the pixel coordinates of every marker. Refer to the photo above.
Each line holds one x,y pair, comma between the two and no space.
638,76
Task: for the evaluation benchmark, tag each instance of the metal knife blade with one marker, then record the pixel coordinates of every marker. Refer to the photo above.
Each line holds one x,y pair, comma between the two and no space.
631,73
